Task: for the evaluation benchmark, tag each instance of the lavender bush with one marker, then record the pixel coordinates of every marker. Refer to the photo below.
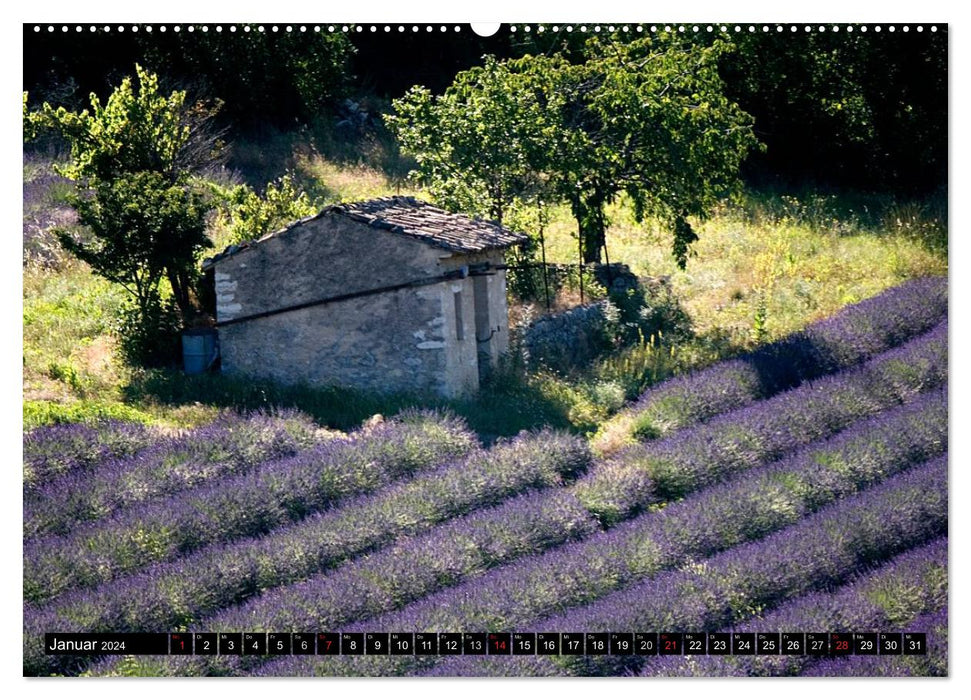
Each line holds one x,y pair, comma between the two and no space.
53,450
177,593
856,333
400,574
734,442
231,445
885,599
279,492
821,549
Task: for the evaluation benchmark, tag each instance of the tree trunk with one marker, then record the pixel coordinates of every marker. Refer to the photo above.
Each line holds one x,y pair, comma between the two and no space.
592,245
591,225
179,279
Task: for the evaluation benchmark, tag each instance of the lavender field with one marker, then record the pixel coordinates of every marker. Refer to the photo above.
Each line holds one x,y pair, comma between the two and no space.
801,487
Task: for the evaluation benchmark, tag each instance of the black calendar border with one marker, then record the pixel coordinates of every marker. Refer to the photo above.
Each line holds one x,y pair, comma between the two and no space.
509,644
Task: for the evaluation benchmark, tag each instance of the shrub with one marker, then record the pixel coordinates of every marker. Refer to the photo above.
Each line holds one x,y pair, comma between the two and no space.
150,336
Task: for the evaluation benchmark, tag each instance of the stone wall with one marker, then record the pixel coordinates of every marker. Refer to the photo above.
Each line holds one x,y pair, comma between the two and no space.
637,308
388,342
567,340
404,340
320,258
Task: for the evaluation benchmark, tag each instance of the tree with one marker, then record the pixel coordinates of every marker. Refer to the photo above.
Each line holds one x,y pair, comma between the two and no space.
860,110
132,160
143,229
646,117
249,216
263,78
479,146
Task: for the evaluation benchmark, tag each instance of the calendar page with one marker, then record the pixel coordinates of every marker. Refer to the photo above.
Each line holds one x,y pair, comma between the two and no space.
465,350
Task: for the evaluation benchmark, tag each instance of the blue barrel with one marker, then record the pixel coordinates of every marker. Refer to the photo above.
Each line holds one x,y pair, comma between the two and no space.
199,349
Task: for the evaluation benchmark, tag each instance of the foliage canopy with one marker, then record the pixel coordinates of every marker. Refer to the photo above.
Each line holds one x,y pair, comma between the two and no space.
142,227
262,77
249,216
135,130
131,158
647,117
482,144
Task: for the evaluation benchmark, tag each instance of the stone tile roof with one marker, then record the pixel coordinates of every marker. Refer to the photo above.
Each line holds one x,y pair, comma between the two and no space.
417,219
413,218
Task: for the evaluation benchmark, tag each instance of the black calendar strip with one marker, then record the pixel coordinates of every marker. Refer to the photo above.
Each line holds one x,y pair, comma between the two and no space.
492,644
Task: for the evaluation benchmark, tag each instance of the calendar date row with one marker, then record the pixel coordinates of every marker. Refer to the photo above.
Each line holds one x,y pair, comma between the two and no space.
491,644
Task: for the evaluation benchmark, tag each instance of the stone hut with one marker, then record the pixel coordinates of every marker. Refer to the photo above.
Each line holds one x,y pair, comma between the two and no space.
390,294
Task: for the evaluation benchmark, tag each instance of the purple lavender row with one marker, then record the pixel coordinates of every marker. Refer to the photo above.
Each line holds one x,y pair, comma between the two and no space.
822,550
52,450
670,468
455,551
853,335
886,599
517,594
176,594
231,445
252,504
744,509
934,663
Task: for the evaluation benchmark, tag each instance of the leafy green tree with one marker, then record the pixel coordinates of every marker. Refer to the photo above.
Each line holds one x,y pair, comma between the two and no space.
478,146
131,158
143,229
646,117
137,129
248,216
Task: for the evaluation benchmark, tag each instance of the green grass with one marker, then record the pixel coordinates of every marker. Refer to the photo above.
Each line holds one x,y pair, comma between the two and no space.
501,409
37,413
779,261
69,350
763,267
330,182
652,360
